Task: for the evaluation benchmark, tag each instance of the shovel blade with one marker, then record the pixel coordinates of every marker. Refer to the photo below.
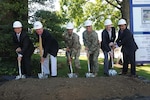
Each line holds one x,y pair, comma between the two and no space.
42,76
72,75
18,77
112,72
89,75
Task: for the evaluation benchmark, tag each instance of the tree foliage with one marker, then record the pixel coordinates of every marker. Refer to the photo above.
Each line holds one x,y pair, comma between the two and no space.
80,10
11,10
37,1
53,22
123,6
35,5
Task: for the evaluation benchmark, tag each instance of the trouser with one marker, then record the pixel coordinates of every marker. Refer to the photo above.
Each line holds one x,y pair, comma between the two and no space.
107,62
129,58
93,58
75,55
45,65
25,65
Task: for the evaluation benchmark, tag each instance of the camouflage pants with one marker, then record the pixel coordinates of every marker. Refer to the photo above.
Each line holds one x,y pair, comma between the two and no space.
94,61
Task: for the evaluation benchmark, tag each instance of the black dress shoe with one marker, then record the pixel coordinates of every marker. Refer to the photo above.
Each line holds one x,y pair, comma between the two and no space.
122,73
105,74
133,76
53,76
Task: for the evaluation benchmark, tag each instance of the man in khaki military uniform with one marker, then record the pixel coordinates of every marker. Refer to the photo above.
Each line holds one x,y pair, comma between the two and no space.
91,43
73,45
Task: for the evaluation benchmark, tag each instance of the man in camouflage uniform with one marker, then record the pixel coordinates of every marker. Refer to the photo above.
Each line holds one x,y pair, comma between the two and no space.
91,43
73,45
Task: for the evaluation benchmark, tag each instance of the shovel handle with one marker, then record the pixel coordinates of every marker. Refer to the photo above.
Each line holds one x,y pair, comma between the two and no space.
88,61
42,71
19,66
112,59
70,63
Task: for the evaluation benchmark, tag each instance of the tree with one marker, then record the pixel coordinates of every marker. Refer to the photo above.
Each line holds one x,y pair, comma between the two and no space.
80,10
53,22
35,5
11,10
123,6
50,18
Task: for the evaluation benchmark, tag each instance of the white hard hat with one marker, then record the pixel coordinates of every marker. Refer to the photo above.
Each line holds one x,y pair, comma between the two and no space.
88,23
37,25
17,24
122,22
69,26
112,72
107,22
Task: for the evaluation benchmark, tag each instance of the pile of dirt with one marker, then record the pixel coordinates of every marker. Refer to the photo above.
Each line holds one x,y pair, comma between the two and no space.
99,88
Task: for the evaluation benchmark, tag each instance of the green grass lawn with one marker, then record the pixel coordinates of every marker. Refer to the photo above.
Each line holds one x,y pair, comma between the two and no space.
144,71
63,68
10,68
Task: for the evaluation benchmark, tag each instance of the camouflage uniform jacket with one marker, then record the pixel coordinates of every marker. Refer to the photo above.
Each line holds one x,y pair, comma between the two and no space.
72,41
91,41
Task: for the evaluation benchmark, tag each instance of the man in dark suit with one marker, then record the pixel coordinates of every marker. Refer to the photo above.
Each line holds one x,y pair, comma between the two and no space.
24,48
129,47
108,38
50,47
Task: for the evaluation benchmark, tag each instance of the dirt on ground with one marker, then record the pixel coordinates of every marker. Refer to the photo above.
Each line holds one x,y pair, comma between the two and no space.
99,88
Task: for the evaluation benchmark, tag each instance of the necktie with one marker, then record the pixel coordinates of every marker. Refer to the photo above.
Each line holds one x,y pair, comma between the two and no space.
109,34
18,37
40,45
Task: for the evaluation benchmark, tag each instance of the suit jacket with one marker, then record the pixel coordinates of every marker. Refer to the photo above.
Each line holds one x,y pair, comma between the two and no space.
126,40
25,44
106,40
50,45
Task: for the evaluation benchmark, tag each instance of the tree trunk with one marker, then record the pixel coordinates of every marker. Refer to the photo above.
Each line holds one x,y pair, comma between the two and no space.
125,10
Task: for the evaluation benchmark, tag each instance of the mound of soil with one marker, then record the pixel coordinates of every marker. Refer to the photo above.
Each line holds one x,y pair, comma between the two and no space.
99,88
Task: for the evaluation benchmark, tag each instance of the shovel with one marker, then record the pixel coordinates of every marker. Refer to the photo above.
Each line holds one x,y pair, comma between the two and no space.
112,71
42,75
20,74
71,75
19,68
89,74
